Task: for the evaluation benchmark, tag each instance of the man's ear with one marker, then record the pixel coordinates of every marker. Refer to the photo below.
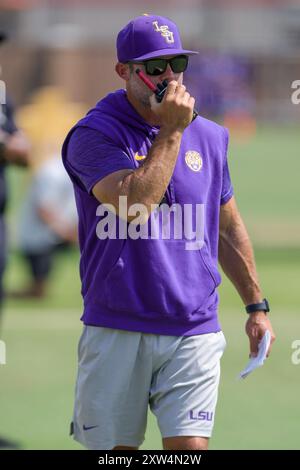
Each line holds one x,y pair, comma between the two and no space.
123,71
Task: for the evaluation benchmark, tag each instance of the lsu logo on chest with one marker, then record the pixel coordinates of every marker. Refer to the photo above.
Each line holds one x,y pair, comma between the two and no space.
139,157
193,160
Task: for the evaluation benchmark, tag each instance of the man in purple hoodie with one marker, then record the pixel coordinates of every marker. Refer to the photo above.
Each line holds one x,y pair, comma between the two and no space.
156,213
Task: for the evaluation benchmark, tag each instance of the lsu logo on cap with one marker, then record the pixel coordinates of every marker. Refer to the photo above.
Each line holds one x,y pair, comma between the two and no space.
193,160
164,31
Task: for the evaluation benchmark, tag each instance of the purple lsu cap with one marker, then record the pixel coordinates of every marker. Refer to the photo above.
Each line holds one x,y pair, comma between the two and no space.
149,36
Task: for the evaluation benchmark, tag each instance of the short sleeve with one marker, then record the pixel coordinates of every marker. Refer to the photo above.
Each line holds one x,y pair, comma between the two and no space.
91,156
227,189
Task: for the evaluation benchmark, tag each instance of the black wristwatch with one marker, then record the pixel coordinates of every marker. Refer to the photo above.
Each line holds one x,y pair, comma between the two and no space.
264,305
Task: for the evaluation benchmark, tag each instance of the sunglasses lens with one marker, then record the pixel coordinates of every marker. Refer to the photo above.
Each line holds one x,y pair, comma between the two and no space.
156,66
179,64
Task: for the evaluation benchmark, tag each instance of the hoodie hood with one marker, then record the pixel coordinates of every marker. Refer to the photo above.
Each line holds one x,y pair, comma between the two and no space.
117,120
115,106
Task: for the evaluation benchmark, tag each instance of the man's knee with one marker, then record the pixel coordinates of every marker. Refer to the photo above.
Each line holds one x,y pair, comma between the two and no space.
185,443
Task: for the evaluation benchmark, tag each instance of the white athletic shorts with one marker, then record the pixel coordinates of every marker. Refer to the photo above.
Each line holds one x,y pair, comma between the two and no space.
121,372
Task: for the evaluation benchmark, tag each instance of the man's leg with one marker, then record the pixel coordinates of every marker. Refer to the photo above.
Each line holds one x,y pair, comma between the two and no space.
40,265
111,398
184,389
185,443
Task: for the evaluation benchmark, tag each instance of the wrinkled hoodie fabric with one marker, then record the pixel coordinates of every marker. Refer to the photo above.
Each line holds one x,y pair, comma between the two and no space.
151,284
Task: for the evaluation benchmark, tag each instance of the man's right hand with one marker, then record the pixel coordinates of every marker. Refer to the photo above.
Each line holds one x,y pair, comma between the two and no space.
175,112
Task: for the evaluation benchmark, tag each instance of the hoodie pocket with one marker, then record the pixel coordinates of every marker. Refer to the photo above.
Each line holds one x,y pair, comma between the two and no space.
155,278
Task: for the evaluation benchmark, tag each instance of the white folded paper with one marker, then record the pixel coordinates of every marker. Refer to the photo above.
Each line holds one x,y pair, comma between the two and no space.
259,360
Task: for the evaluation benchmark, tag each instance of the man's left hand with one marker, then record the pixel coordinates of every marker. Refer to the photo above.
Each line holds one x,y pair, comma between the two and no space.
256,326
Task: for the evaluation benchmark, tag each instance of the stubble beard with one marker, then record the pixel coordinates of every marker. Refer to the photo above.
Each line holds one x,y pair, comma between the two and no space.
140,93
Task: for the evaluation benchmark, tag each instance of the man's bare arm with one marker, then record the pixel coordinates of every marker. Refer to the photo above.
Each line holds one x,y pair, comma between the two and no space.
236,254
147,184
237,260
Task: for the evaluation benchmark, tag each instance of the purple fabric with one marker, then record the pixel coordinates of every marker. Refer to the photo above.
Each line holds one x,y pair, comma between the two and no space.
149,36
91,157
153,286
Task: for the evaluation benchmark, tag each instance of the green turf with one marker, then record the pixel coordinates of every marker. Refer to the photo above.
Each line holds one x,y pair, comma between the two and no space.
265,173
36,393
37,382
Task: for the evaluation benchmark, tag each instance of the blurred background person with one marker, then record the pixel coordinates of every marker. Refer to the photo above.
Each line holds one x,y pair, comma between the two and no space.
14,149
48,224
45,220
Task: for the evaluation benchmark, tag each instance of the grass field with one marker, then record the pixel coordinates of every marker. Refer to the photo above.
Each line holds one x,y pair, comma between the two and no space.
36,393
